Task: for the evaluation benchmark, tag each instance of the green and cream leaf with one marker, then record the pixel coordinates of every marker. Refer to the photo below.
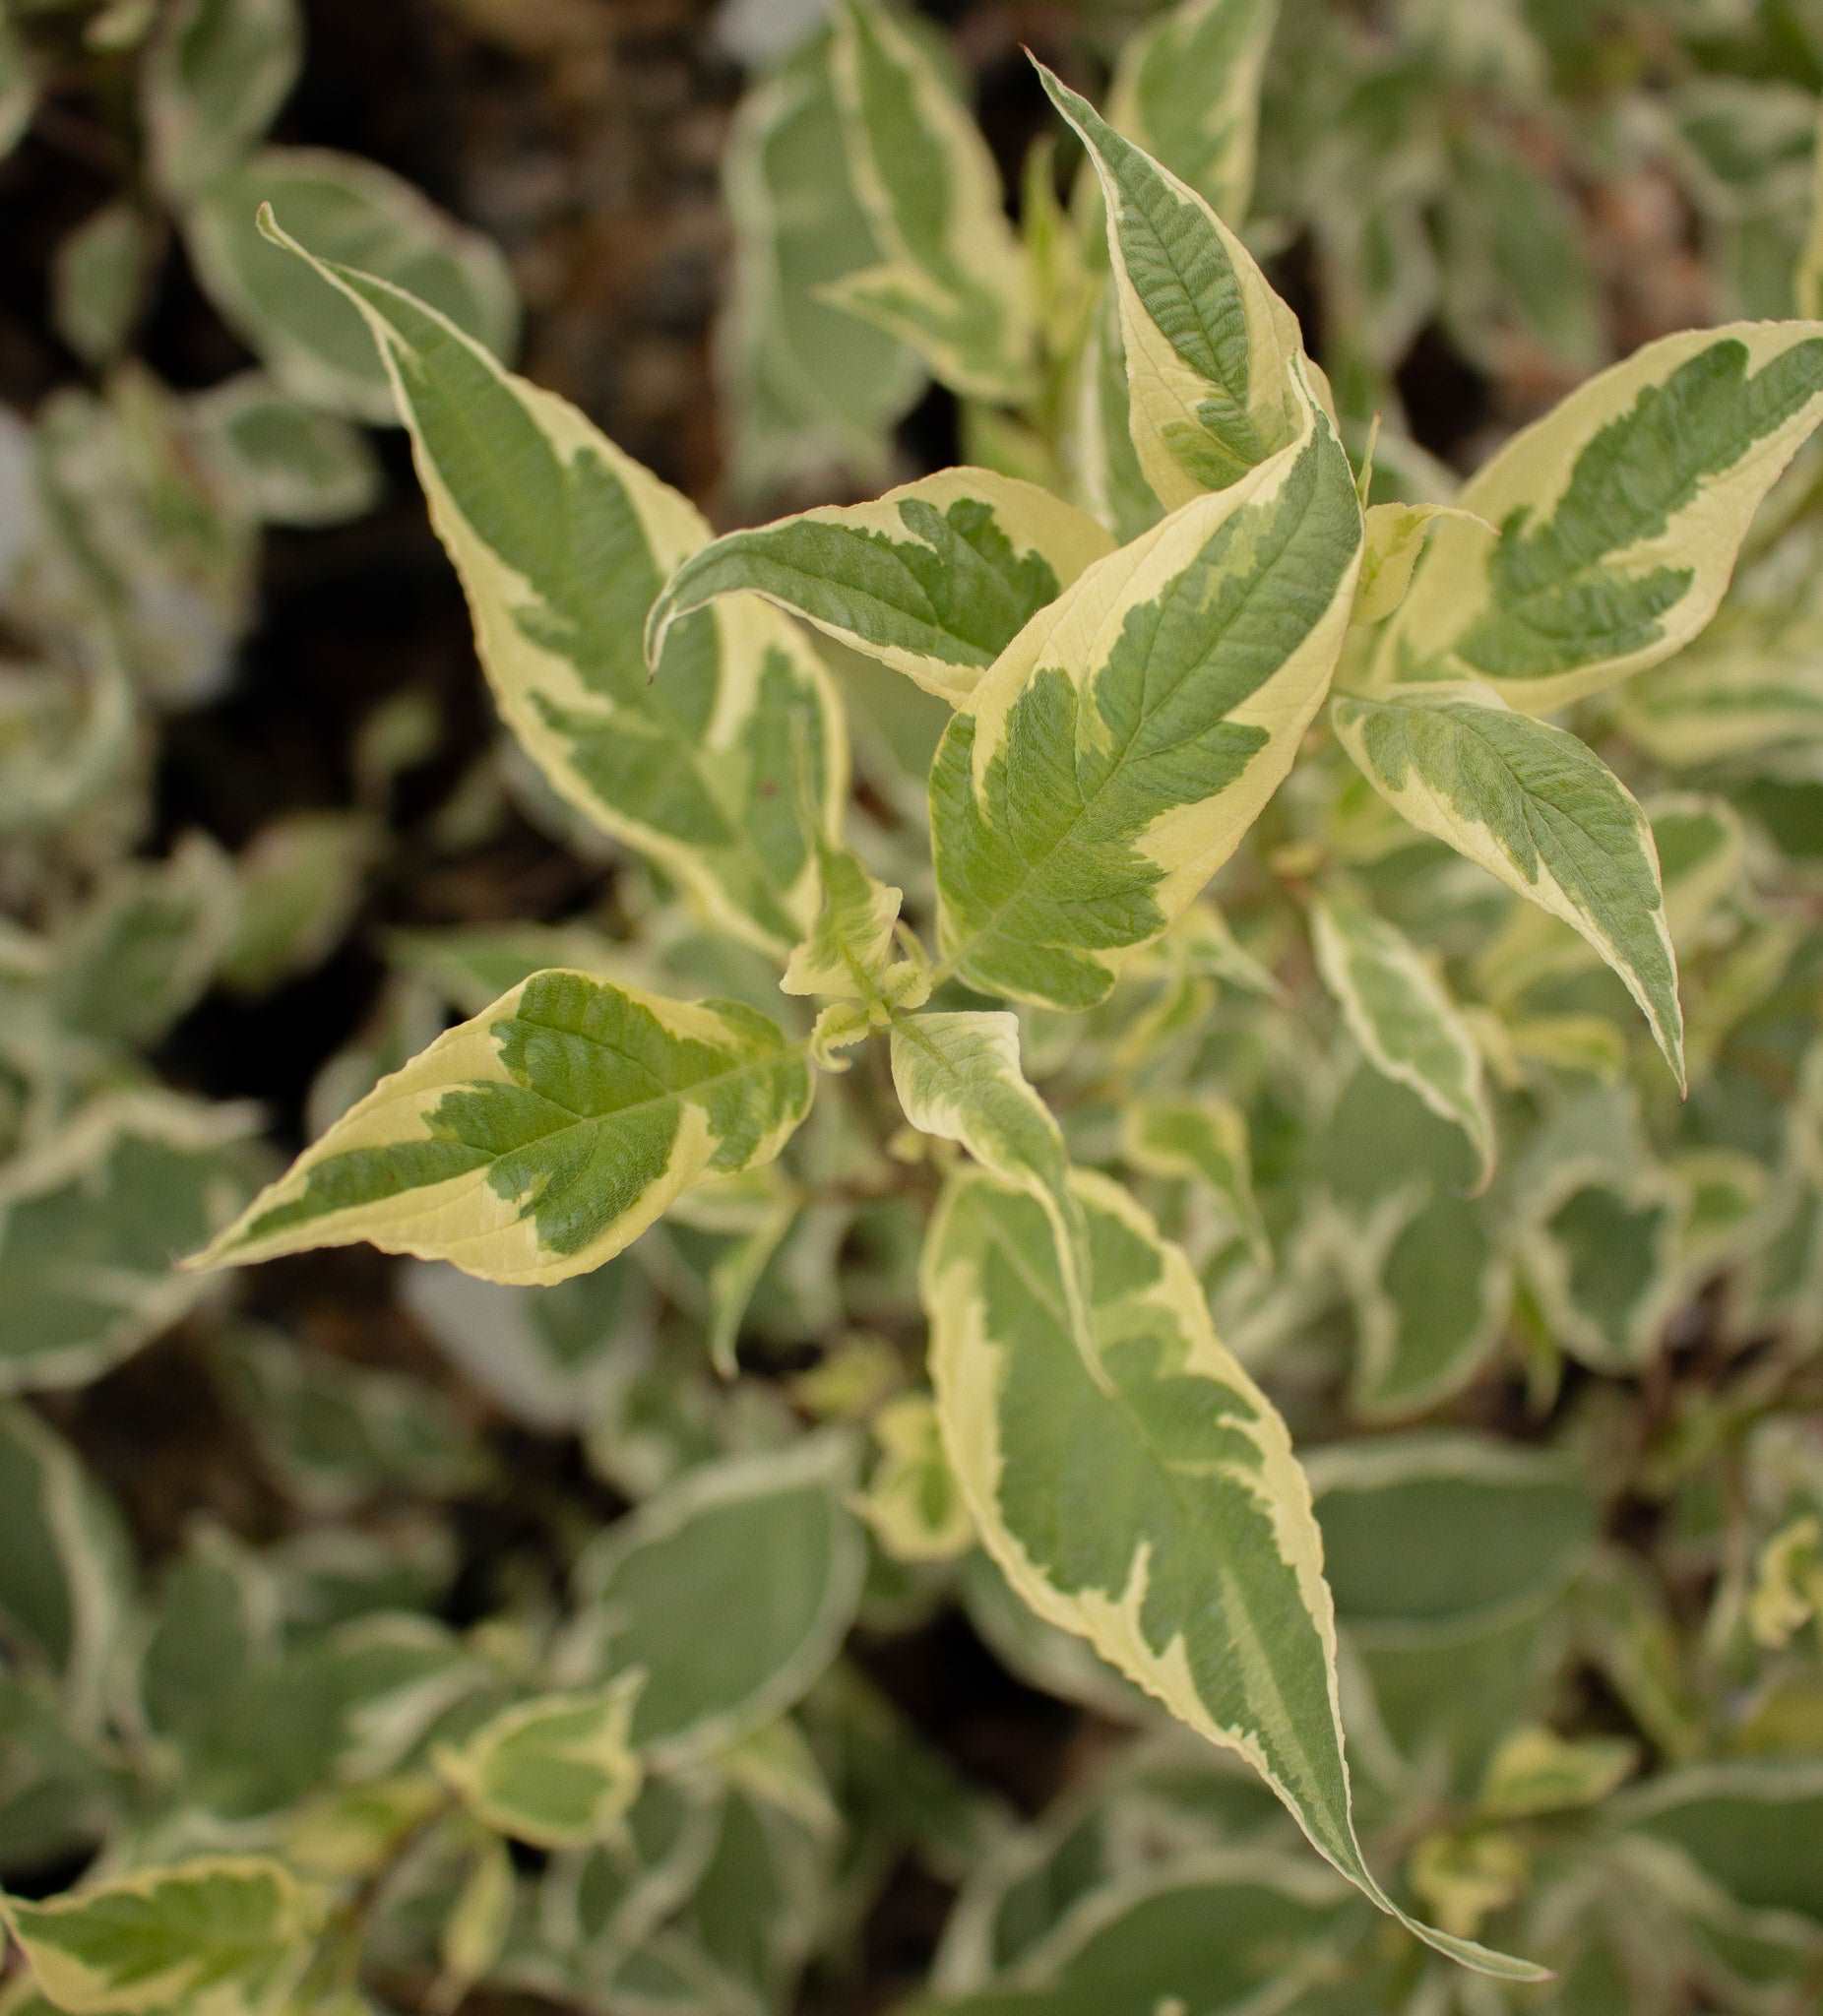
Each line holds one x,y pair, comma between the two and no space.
537,1140
1124,741
1205,1141
1209,346
952,282
1535,806
215,74
562,543
1208,1588
557,1771
1619,516
1400,1013
934,579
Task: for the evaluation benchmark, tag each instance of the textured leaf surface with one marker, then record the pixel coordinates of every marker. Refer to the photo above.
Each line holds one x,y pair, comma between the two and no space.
1207,1586
1619,516
222,1936
952,282
935,578
539,1138
215,74
1132,732
557,1771
732,1592
1209,346
1400,1013
1187,90
562,543
346,209
1535,806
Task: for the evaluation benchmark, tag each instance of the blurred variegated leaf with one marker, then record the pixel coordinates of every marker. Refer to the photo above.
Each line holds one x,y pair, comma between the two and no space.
66,1574
94,1223
216,1619
1602,1265
345,207
1619,516
1535,806
19,86
1187,90
1210,347
213,82
1537,1771
301,880
537,1140
913,1501
806,385
934,579
1208,1588
219,1936
1749,683
759,1552
99,282
1746,1827
480,1920
562,543
1399,1012
952,281
557,1771
1701,851
293,465
1124,741
1205,1141
140,952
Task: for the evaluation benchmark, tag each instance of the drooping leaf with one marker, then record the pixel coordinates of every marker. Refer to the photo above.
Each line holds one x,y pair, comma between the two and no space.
934,579
1535,806
805,385
539,1138
952,281
557,1771
345,207
732,1592
1187,90
217,1936
1400,1013
1124,741
1619,516
1209,347
562,543
215,74
1207,1586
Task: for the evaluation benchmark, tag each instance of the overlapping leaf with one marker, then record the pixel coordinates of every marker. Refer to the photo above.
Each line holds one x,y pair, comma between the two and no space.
1124,741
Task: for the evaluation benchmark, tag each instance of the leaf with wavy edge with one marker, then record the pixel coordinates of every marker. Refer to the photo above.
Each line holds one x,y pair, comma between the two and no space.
1166,1521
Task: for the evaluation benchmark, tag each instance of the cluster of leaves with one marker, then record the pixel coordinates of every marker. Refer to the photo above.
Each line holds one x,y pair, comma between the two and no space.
924,1197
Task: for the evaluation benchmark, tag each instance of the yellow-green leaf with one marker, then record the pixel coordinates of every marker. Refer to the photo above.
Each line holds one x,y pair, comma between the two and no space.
557,1771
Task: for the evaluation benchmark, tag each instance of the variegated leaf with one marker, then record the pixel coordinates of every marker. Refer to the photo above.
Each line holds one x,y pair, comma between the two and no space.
1207,1587
1128,736
215,74
1400,1013
1187,90
539,1138
1209,346
1747,685
763,1547
913,1501
1619,516
562,543
219,1936
293,465
1535,806
952,282
345,207
1205,1141
1097,444
804,384
99,278
557,1771
935,578
1602,1266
